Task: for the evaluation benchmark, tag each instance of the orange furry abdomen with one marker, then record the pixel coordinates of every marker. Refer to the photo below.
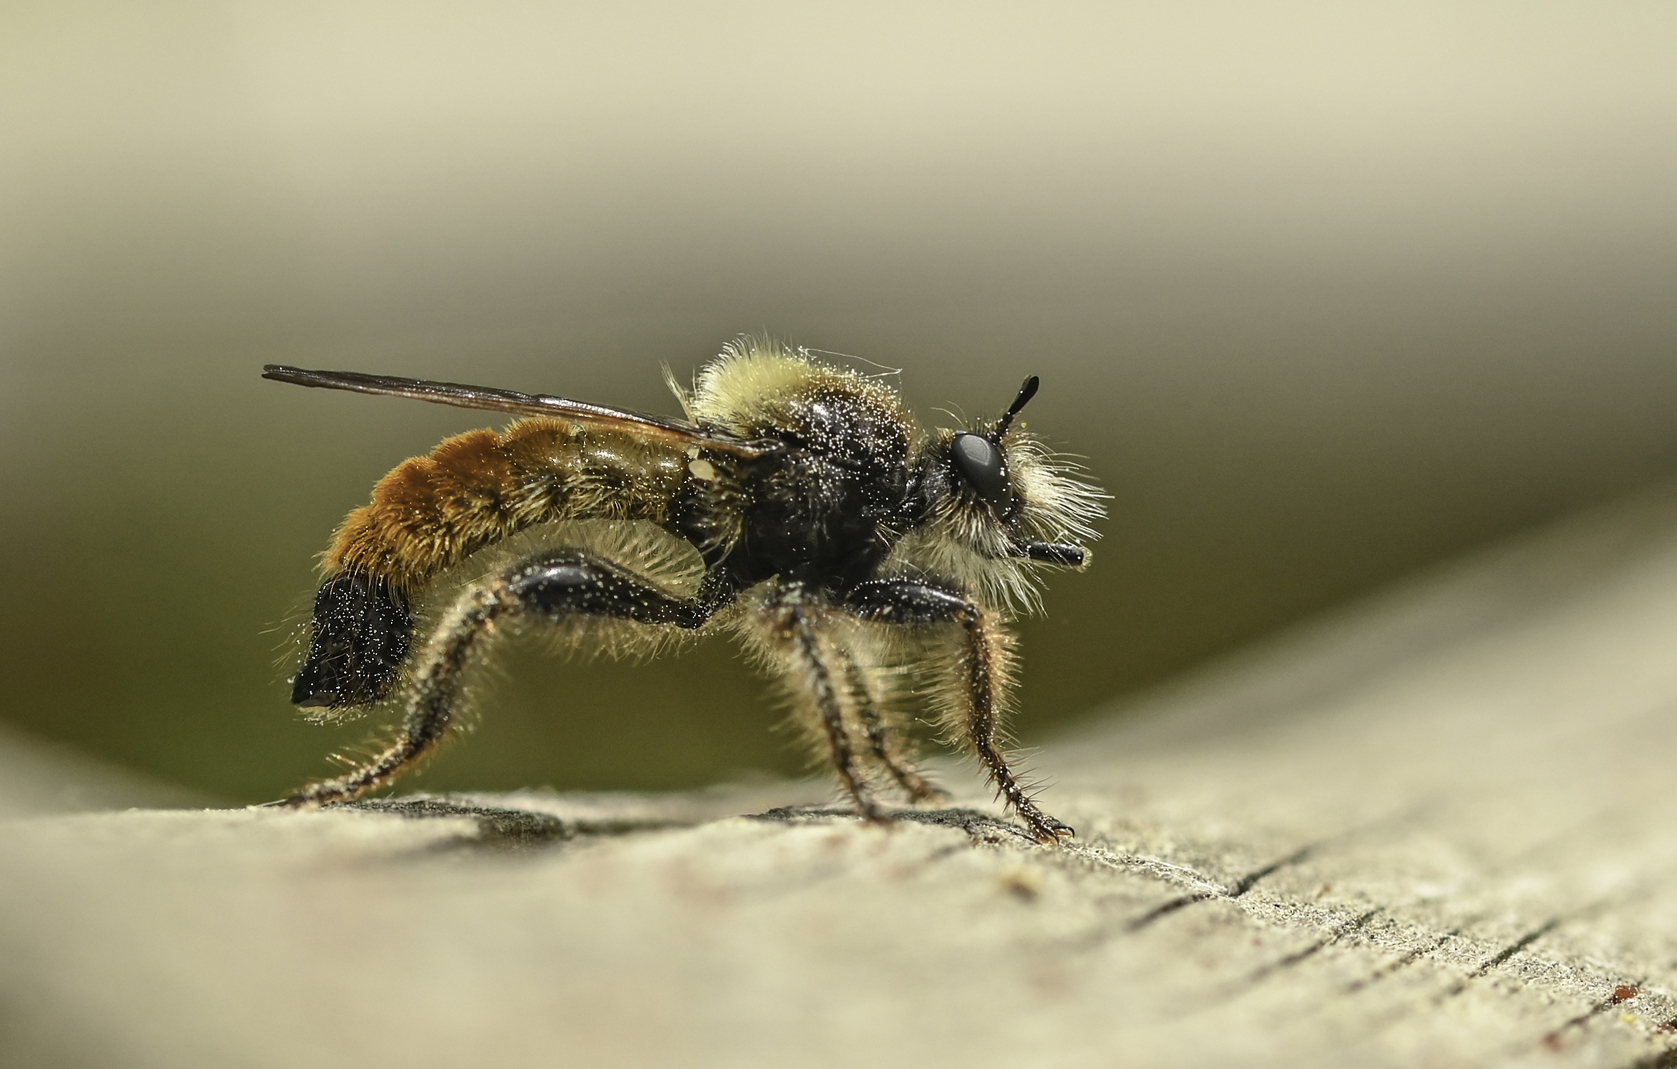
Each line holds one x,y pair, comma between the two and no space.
476,488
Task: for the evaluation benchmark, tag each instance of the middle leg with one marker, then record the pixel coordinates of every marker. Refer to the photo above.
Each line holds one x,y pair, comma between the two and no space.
882,739
792,633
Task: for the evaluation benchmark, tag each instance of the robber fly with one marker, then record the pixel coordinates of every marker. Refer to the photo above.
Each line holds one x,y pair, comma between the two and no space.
797,506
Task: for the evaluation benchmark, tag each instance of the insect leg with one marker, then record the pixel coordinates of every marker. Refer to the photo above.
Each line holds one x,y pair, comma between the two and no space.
789,631
553,585
978,695
880,736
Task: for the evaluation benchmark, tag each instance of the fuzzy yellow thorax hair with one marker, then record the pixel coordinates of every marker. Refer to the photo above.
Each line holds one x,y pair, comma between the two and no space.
750,388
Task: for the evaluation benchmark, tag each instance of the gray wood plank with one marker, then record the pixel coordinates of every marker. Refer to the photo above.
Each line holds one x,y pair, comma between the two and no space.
1435,829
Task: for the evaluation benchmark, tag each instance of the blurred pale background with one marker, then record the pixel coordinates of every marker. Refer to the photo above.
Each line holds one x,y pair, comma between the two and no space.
1323,292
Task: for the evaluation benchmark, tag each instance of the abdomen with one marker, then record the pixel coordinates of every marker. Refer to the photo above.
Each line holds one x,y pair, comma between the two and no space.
430,513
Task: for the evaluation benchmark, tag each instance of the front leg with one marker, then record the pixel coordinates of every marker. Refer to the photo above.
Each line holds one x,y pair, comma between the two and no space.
983,671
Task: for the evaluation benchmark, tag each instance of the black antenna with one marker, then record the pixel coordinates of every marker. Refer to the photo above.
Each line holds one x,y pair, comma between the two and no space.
1026,392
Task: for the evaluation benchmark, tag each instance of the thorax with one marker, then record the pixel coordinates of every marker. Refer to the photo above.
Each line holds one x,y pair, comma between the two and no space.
827,509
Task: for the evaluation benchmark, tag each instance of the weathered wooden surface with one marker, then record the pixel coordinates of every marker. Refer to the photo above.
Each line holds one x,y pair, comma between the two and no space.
1437,830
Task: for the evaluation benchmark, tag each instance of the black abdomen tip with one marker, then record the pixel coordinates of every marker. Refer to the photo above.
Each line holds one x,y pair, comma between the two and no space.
358,641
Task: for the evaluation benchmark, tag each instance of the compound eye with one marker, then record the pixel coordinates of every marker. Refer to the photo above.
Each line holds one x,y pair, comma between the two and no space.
980,464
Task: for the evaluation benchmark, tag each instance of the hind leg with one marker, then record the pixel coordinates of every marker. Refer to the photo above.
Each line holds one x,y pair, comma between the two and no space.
554,585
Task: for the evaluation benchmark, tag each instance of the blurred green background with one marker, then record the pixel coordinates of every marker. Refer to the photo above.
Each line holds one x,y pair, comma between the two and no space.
1324,292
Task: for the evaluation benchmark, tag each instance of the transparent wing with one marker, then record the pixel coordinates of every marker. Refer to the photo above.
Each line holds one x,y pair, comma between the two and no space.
672,431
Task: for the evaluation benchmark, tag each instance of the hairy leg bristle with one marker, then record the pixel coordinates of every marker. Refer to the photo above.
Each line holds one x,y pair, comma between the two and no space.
986,666
792,634
883,740
558,586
